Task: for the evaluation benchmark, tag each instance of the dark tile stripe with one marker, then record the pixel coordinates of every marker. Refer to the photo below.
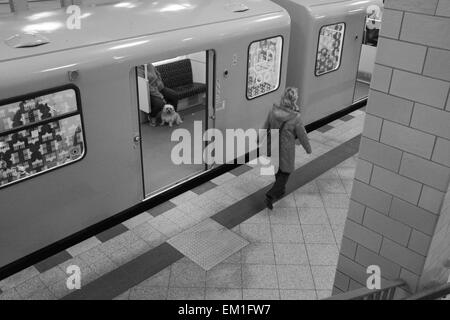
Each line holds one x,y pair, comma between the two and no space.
204,187
111,232
242,210
160,209
241,170
325,128
347,117
53,261
128,275
247,207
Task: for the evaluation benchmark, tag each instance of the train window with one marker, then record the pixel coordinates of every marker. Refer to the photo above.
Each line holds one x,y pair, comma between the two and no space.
39,133
264,66
329,51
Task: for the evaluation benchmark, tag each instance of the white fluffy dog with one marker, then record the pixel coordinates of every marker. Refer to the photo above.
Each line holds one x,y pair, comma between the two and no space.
170,116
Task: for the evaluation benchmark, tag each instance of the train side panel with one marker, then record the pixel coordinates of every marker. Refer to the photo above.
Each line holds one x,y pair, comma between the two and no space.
301,35
234,107
333,91
325,92
46,208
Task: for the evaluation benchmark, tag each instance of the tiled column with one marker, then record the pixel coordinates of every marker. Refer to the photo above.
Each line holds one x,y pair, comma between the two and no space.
397,217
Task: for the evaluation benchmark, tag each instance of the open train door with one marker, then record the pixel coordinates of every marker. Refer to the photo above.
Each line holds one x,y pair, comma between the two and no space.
172,142
374,16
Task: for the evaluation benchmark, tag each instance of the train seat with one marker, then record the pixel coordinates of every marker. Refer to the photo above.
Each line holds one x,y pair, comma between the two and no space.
178,77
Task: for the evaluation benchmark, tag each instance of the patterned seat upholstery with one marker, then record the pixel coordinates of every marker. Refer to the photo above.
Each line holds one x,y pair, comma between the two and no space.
178,77
190,90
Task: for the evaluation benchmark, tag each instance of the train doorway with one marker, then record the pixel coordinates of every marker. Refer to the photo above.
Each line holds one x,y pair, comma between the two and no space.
185,84
373,20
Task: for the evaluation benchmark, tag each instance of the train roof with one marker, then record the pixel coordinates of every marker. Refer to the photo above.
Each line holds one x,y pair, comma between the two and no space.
316,3
121,20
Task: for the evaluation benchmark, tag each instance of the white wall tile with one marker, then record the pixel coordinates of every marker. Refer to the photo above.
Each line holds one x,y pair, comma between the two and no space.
419,88
395,184
407,139
401,55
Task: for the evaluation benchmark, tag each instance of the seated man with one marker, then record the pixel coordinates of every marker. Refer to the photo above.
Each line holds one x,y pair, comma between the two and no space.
159,94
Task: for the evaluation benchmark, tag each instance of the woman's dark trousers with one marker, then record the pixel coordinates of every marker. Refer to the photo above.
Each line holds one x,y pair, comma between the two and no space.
279,187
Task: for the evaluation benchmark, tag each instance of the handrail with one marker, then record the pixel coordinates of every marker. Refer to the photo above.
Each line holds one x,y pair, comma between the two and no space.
386,292
433,293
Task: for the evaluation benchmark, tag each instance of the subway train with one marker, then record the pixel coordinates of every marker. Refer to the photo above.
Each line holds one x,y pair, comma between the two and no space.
76,148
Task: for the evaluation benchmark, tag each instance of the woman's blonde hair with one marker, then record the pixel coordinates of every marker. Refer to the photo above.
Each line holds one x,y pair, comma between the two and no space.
289,99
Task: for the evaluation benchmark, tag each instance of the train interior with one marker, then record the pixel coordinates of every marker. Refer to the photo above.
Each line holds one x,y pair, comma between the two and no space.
185,86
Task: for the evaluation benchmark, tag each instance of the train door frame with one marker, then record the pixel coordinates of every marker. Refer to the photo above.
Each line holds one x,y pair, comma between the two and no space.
209,122
210,96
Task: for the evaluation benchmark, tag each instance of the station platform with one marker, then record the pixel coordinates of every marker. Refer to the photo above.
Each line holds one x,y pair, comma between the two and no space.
218,241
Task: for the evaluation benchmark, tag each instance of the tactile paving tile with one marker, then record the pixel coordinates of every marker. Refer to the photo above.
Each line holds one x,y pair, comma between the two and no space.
208,243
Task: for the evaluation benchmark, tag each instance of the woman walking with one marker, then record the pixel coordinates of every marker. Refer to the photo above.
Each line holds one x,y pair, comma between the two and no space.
286,118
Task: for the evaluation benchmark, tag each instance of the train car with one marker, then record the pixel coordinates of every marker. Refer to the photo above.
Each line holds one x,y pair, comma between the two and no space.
326,39
75,147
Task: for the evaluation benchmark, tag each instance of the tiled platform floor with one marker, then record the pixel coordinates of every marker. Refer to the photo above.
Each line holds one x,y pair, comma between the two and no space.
293,250
292,255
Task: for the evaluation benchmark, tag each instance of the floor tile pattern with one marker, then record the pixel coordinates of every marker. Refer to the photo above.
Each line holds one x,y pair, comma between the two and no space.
208,243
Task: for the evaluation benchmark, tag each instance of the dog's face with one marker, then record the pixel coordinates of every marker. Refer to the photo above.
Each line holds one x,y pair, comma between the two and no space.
168,109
